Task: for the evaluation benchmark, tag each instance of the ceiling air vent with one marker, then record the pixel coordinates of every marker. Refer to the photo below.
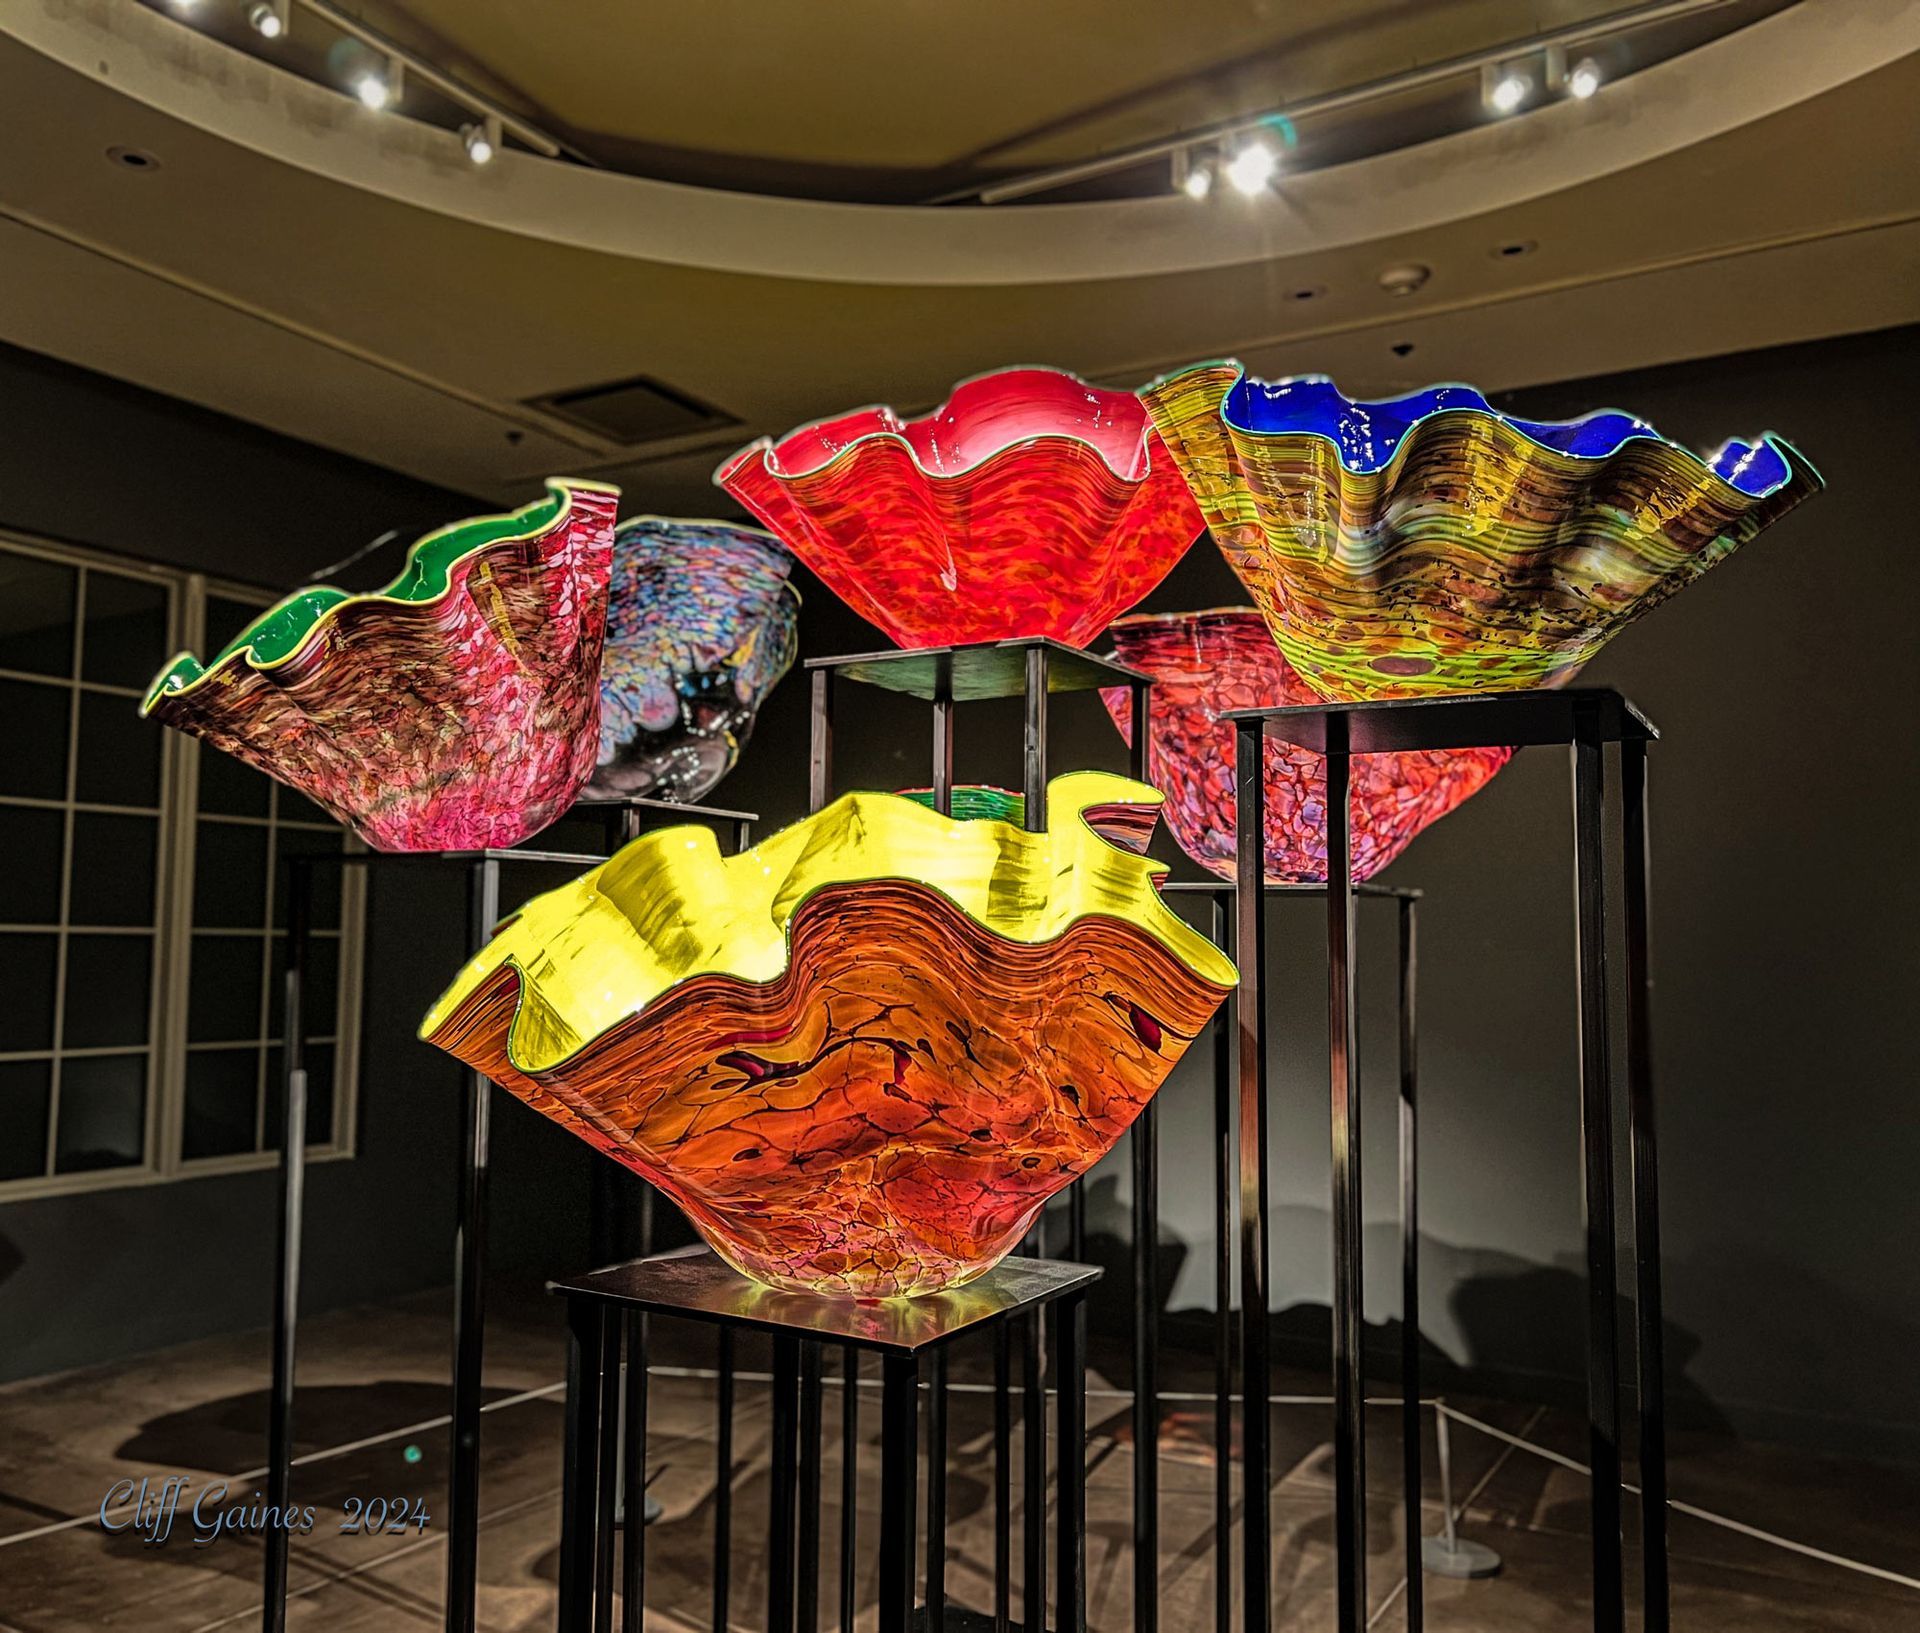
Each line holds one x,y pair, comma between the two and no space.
634,411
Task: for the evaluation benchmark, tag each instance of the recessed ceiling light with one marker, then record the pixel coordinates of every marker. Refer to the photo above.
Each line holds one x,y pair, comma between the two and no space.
133,158
1405,278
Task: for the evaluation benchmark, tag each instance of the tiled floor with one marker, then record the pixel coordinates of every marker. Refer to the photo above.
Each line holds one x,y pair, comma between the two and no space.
368,1373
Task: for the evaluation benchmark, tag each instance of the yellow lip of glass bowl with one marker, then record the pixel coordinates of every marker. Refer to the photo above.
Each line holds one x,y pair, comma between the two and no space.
669,906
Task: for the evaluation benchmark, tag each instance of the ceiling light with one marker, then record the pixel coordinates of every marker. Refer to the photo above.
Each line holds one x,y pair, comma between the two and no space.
482,140
377,90
269,18
1509,91
1252,168
1583,79
1192,176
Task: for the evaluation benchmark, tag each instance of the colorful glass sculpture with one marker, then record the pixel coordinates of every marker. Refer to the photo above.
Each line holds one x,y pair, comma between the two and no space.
457,708
1432,545
701,623
1205,663
861,1055
1030,503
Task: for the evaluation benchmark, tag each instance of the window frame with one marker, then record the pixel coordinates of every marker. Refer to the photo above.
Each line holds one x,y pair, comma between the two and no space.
172,935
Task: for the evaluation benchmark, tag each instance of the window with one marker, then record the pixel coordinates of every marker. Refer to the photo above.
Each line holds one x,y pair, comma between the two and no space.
142,910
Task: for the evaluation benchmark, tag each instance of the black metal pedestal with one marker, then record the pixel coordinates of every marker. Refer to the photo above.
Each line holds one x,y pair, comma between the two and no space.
1032,670
1586,719
907,1336
470,1228
1251,1193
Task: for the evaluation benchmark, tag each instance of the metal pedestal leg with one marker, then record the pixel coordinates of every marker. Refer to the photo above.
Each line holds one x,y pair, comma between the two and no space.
286,1288
1251,1051
1070,1589
1596,1138
469,1313
812,1393
1349,1389
899,1458
937,1491
580,1483
1645,1178
1220,930
723,1481
780,1549
1410,1265
849,1484
633,1479
1002,1478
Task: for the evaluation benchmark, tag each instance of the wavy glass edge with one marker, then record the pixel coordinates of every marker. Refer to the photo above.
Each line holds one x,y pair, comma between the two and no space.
428,575
889,427
879,823
1236,380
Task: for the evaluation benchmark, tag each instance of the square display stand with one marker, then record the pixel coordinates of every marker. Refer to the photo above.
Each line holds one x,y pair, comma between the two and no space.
696,1285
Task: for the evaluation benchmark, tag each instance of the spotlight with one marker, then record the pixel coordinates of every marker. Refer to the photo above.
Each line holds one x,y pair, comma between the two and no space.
1252,168
1195,179
269,18
1509,91
482,140
183,5
1583,79
374,89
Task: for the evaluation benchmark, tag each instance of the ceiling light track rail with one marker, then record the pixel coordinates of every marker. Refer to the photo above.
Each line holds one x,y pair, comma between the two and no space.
491,121
1190,152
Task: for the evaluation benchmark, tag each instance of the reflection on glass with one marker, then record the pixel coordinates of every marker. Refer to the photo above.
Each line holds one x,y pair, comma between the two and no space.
223,1001
26,1087
125,638
36,615
119,759
33,717
114,858
103,1113
229,876
31,841
107,988
222,1102
27,968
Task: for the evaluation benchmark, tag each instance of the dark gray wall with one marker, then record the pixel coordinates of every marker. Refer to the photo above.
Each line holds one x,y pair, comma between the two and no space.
108,1273
1784,686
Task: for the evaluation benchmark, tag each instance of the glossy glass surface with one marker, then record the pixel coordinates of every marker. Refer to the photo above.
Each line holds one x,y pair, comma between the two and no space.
457,708
1205,663
861,1055
1029,503
701,624
1431,545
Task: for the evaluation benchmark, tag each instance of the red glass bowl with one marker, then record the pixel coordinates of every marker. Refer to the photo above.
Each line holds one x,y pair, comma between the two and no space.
1030,503
1205,663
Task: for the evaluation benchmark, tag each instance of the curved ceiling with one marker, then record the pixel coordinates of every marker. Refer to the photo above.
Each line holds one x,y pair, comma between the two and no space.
345,277
877,101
